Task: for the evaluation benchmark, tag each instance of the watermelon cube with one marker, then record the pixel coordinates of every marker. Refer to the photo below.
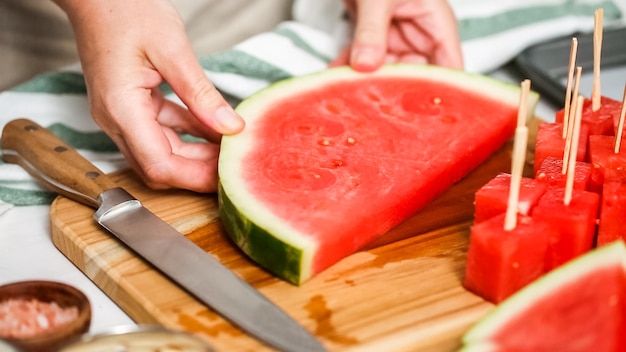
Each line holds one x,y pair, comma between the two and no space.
550,173
613,207
492,198
573,225
602,156
501,262
550,142
600,122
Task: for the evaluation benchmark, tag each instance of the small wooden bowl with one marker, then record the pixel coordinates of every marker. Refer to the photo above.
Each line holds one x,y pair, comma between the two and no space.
65,296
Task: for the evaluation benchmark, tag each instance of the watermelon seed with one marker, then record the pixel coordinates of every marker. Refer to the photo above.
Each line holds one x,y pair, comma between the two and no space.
437,100
333,108
448,119
373,97
350,140
386,109
324,141
332,164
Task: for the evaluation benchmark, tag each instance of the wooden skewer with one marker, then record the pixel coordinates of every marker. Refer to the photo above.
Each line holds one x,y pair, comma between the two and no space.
597,54
567,151
569,184
568,90
522,112
620,126
518,159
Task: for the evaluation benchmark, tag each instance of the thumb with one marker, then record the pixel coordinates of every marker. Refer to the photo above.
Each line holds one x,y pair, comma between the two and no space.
204,101
370,35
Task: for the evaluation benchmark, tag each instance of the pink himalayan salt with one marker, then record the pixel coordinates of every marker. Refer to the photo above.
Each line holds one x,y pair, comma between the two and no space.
21,318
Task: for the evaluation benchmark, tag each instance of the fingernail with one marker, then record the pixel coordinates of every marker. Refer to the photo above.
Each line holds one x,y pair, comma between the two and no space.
365,59
228,119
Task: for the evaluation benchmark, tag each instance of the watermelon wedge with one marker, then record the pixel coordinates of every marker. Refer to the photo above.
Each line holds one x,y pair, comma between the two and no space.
578,307
330,161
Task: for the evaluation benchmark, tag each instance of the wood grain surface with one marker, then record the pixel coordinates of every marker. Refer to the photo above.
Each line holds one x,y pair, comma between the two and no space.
401,293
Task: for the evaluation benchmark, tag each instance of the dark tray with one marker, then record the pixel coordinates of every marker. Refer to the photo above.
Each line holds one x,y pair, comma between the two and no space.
546,65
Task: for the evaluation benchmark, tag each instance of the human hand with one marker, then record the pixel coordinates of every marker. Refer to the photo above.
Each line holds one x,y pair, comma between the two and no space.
389,31
127,48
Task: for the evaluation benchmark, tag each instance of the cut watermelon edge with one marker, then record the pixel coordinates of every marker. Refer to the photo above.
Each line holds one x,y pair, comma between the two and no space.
241,229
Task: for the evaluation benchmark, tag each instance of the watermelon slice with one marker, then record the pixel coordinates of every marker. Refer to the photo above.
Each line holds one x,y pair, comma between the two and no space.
578,307
330,161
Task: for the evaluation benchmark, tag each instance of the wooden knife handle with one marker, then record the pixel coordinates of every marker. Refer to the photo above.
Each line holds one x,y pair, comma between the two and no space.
54,163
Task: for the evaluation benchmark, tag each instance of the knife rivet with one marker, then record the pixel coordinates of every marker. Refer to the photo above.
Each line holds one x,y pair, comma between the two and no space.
30,128
91,174
60,149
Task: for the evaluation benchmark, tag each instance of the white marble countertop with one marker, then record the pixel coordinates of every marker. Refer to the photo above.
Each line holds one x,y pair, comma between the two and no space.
27,252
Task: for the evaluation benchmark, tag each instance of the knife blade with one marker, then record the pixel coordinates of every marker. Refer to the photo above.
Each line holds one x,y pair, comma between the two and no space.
61,168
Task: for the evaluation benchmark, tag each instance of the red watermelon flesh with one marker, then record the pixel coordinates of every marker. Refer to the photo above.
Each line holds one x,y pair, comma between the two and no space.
613,207
574,224
602,156
500,262
578,307
602,121
492,198
328,162
550,142
550,173
326,159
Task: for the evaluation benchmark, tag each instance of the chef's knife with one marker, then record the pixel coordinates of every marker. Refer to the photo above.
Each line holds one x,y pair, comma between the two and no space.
63,169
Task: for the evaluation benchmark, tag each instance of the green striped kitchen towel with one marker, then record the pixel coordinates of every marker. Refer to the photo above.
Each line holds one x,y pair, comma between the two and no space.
492,32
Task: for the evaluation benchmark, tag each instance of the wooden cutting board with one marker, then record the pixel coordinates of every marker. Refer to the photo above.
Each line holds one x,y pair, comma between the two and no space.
401,293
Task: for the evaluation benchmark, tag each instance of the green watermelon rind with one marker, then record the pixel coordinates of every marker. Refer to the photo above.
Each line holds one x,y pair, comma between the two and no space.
603,257
268,239
286,260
